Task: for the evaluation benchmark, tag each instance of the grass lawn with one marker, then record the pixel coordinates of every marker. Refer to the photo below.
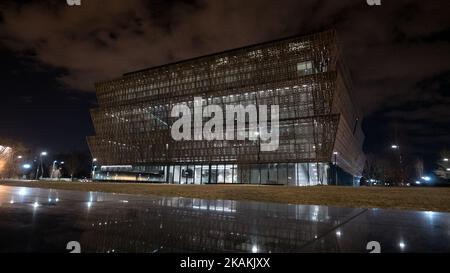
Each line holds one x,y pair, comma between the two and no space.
429,199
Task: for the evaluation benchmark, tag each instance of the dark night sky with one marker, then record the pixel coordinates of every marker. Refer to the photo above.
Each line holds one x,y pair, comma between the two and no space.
51,55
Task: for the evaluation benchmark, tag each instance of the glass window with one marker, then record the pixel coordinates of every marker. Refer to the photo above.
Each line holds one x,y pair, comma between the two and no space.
205,174
291,174
305,68
220,174
265,174
170,174
273,174
229,174
254,174
235,174
198,174
213,174
177,175
313,174
302,174
282,174
185,174
244,174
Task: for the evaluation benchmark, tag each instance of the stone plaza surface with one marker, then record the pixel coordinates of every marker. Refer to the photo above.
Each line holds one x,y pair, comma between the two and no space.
43,220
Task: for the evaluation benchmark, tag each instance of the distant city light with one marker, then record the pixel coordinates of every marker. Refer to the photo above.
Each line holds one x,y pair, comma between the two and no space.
26,166
395,146
402,245
335,153
448,169
418,182
94,160
255,249
426,178
44,153
19,157
445,159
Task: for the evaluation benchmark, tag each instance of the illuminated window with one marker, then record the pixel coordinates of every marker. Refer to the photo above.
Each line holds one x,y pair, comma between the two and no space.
305,68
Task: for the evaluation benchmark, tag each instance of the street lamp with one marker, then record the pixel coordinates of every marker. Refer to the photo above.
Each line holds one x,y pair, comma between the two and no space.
93,168
42,168
446,159
335,167
397,147
53,169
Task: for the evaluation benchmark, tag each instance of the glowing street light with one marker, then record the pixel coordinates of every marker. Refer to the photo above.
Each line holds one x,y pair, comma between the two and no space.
335,168
26,166
446,159
93,167
395,146
426,178
42,167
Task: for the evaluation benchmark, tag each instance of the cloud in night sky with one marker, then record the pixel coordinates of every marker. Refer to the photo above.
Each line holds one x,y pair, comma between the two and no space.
398,53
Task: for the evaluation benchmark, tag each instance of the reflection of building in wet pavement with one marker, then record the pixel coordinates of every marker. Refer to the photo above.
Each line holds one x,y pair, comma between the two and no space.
41,220
180,225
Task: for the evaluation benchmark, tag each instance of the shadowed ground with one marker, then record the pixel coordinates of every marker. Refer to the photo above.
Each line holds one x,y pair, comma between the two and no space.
428,199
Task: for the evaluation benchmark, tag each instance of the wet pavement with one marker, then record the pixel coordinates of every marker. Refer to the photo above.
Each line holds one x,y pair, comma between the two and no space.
43,220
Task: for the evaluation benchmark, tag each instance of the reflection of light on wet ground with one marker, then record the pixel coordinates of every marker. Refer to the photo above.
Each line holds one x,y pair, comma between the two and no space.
104,222
23,191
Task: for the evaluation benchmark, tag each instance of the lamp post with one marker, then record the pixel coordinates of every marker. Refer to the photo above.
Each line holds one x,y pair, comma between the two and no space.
93,168
53,169
397,147
335,168
40,163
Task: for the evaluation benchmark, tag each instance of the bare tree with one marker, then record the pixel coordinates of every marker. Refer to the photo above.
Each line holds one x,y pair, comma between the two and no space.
73,164
373,168
418,166
12,154
443,170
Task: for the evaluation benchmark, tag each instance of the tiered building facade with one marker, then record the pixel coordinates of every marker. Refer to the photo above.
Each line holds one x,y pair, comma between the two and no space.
320,127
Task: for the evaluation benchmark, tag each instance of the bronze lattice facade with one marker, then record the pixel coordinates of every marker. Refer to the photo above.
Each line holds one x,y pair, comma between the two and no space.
320,127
